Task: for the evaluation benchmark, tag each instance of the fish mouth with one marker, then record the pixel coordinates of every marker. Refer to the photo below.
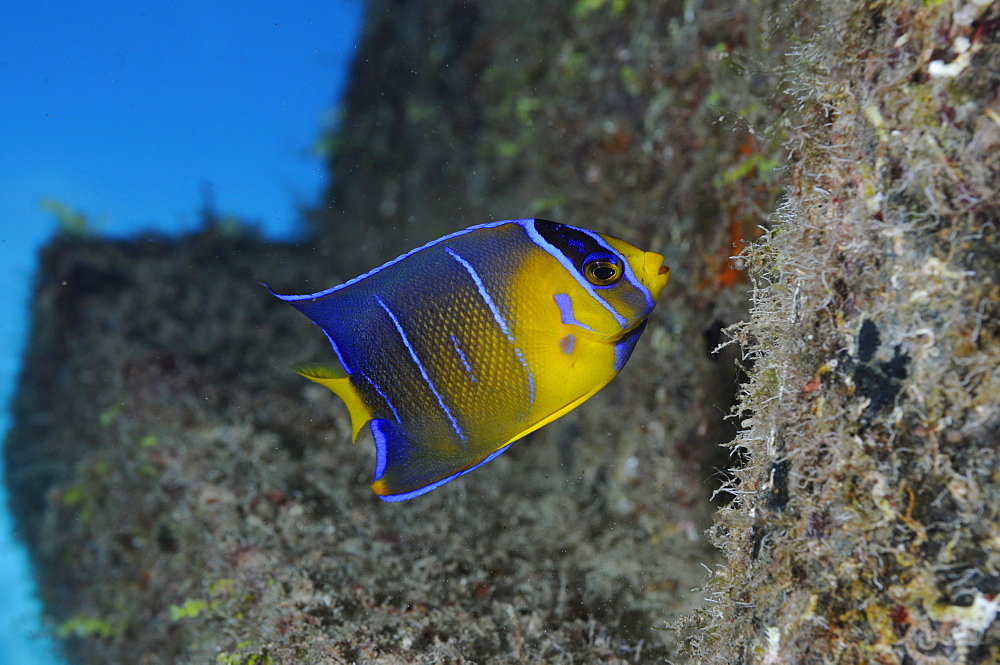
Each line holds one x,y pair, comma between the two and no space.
655,275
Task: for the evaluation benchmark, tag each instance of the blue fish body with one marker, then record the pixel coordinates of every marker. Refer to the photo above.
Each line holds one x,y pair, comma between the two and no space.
455,350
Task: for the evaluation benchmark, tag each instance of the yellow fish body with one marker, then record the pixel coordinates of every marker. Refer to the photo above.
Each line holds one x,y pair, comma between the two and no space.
455,350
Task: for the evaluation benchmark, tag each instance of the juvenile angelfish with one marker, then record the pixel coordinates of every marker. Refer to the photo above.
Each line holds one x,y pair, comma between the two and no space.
457,349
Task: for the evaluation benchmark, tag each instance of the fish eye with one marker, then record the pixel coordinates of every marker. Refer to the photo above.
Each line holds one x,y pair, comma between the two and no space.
602,270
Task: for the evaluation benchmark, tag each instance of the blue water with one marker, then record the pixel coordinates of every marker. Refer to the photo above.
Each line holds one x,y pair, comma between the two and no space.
135,114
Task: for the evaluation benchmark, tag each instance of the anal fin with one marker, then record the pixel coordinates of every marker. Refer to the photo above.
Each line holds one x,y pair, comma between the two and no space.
405,469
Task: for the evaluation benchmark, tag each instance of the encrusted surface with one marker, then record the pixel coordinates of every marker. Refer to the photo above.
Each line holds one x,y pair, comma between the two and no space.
189,500
866,521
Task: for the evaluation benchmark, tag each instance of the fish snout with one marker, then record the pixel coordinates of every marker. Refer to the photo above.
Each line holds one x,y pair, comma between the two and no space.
655,275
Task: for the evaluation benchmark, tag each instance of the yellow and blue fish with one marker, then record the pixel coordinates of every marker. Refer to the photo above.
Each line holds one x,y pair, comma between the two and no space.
456,349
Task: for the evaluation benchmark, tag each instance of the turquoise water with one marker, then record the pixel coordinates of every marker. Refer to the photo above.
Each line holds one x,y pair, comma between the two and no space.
135,115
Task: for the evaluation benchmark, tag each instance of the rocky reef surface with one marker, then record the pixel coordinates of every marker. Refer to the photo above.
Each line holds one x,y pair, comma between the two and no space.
798,465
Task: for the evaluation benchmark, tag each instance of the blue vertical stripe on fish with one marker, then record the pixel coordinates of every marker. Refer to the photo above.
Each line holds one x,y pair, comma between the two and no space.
565,304
420,366
483,292
381,393
570,268
465,361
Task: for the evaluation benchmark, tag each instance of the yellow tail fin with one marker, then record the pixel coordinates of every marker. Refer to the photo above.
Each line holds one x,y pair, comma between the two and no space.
338,381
